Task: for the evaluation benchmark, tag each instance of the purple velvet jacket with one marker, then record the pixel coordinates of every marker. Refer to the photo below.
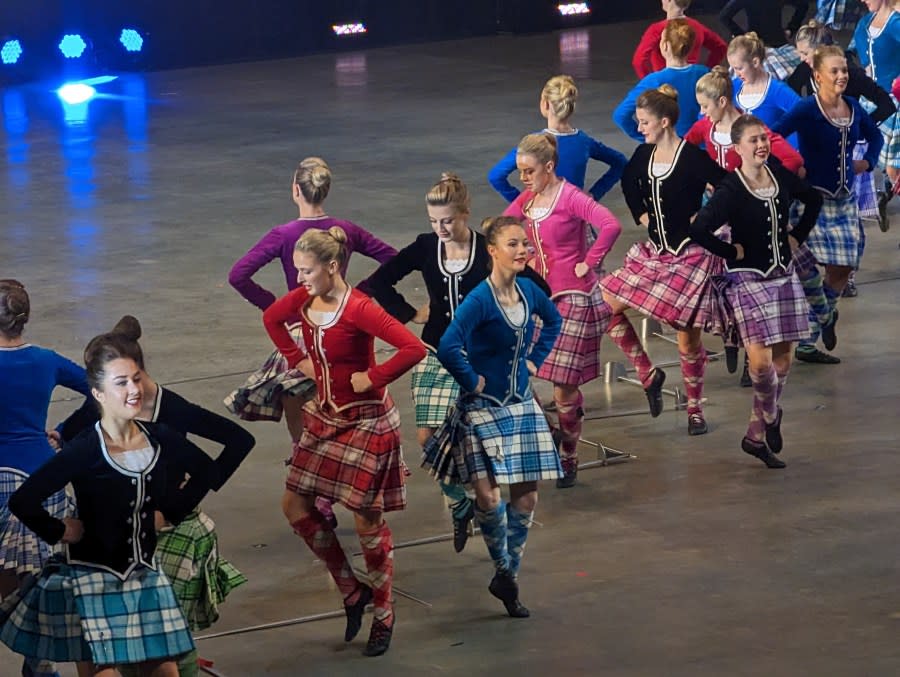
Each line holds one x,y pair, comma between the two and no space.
279,244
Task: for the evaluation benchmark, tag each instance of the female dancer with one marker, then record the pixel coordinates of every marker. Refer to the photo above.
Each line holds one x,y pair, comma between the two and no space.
755,90
558,100
648,58
666,278
677,39
452,259
122,473
274,389
188,553
30,374
498,433
555,213
349,451
769,304
764,17
829,125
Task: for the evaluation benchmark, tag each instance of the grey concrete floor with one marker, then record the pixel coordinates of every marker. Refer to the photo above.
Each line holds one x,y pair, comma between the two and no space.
692,559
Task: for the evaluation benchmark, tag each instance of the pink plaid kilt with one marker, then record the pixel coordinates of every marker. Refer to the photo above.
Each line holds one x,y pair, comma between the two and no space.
674,290
768,310
575,358
352,457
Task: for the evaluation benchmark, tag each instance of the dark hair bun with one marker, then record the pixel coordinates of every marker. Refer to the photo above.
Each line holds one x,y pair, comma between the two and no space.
128,327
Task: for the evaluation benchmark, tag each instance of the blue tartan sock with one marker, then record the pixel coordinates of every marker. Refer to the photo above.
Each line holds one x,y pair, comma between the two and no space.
819,306
493,530
831,295
517,526
459,502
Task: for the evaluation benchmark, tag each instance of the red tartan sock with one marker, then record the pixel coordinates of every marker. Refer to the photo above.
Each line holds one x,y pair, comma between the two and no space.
378,551
570,416
693,368
622,333
321,539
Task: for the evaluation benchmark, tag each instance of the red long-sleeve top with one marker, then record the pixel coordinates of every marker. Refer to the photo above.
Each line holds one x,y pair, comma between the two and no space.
648,59
701,133
344,346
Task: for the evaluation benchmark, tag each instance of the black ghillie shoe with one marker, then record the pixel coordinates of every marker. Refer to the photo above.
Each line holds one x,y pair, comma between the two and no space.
813,355
570,475
884,220
731,358
379,638
829,337
773,434
746,381
762,452
697,425
504,587
654,392
355,612
461,528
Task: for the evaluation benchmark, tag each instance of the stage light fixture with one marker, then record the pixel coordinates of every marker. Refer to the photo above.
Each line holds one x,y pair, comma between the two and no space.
349,29
574,8
74,93
11,52
72,46
131,40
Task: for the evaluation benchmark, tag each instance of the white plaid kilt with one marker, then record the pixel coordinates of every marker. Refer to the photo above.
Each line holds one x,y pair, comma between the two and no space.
434,391
259,399
575,358
77,613
353,457
890,130
483,440
20,548
782,61
766,309
674,290
836,238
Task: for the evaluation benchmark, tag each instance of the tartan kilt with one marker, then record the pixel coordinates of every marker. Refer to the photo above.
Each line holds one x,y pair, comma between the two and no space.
78,613
782,61
890,130
259,399
839,14
575,358
434,391
836,237
864,186
352,457
483,440
674,290
768,309
20,548
189,555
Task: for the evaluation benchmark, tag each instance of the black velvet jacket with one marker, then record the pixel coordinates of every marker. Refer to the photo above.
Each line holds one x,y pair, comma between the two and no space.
760,225
116,505
669,200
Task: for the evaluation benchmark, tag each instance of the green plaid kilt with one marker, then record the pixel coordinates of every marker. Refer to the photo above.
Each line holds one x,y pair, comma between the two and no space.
434,391
201,579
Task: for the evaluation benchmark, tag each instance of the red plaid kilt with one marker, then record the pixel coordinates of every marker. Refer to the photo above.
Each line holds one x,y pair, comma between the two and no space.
352,457
575,358
674,290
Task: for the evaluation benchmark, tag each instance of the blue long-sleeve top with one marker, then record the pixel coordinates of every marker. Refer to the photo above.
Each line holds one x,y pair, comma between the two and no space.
683,79
575,149
776,101
30,373
828,147
481,341
879,54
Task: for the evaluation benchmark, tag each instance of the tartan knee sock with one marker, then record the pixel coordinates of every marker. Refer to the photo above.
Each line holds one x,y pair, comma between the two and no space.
378,551
493,531
819,307
321,539
456,496
765,408
693,368
570,416
832,295
622,333
517,526
779,388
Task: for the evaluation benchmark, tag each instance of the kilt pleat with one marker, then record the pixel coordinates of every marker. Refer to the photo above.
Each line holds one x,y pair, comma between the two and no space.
575,358
864,186
20,548
200,577
353,457
434,391
674,290
768,309
836,237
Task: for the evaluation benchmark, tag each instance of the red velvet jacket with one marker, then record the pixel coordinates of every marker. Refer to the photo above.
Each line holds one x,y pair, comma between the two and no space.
701,133
344,346
648,59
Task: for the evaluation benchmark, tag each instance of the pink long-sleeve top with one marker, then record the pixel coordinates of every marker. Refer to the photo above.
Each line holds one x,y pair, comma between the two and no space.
559,238
344,346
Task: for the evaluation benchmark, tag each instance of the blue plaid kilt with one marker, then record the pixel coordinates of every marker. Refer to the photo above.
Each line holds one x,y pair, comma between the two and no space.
782,61
483,440
839,14
20,548
836,237
890,130
434,391
259,399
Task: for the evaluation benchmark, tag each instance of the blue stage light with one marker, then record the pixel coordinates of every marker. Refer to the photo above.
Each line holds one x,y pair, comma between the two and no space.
76,92
131,40
72,46
10,52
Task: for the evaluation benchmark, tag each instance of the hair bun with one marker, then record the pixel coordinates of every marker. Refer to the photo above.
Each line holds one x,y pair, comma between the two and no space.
721,71
668,90
320,175
450,176
128,327
339,234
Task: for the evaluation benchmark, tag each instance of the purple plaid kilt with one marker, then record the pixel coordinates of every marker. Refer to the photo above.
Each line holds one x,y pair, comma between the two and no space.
352,457
674,290
767,309
575,358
